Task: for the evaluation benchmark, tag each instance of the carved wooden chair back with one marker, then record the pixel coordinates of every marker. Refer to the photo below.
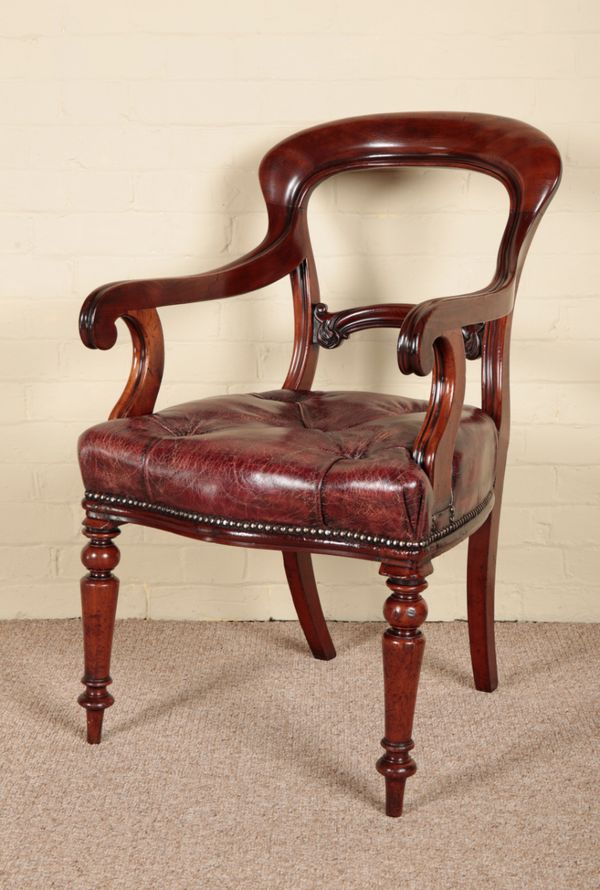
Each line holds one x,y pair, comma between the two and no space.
522,158
433,338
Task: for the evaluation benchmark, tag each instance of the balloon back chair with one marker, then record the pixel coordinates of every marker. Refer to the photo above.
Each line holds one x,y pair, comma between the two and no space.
378,477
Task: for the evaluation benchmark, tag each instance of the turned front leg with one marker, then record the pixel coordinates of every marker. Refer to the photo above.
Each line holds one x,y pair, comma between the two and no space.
99,590
403,643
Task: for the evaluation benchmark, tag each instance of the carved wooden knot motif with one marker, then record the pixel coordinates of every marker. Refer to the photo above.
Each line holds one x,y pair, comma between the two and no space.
327,330
473,335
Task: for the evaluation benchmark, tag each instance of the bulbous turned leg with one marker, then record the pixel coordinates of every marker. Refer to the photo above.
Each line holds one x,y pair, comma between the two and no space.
99,590
403,643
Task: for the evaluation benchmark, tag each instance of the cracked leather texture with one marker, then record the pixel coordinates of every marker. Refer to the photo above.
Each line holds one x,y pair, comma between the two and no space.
334,459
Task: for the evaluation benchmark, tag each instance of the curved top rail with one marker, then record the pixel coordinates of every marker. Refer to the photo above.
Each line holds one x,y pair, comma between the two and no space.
521,156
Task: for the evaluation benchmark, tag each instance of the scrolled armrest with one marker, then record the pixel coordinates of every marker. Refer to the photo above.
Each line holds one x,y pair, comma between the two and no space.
263,266
429,320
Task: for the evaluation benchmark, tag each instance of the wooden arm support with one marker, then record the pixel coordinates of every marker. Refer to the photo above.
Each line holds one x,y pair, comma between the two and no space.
270,261
435,444
431,340
136,303
141,389
431,319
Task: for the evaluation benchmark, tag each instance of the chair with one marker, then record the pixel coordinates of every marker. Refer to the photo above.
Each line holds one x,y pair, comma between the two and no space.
375,477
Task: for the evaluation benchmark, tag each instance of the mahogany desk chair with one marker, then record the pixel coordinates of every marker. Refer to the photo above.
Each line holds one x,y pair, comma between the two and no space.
371,476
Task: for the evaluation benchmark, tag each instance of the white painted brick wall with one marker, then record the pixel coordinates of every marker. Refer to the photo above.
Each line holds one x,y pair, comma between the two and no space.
131,136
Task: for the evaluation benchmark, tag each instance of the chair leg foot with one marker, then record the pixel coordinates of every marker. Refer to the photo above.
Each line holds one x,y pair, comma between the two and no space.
405,611
481,579
303,587
396,766
99,591
94,726
394,797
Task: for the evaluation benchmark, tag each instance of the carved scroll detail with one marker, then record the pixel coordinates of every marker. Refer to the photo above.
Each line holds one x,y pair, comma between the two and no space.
327,335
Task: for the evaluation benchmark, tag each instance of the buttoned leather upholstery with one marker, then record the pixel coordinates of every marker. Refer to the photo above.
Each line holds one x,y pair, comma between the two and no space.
333,459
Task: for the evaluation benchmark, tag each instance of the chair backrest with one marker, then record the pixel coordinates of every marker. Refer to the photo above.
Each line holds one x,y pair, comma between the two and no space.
523,158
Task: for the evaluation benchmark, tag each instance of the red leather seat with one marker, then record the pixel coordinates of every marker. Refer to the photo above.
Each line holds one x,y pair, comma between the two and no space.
336,460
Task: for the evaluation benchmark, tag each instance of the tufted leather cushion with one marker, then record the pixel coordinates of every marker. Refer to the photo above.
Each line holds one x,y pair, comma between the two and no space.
333,459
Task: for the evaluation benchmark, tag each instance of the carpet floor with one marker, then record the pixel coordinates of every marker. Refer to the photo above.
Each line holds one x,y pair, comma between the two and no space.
232,759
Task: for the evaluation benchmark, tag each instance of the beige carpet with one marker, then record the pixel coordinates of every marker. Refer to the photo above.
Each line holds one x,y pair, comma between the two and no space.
232,759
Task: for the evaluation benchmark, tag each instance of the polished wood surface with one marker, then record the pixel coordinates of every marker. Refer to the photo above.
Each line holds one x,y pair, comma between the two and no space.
147,366
435,445
405,610
303,587
434,337
332,328
483,543
99,591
